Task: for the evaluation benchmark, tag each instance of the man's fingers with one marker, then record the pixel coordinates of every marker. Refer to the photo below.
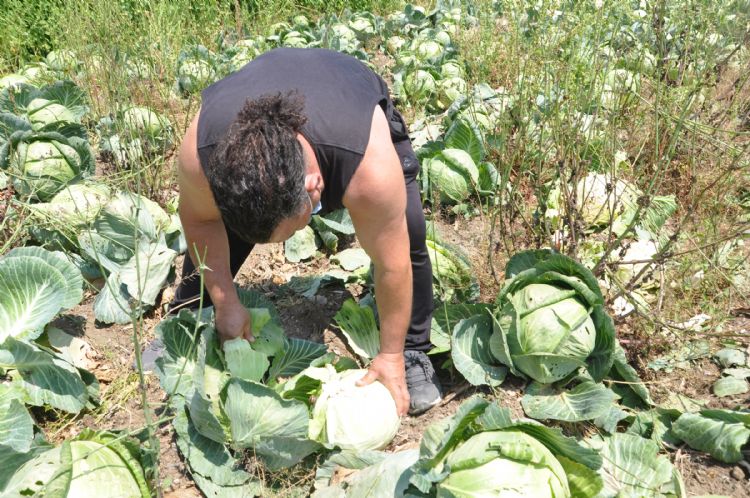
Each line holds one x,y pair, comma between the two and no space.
402,403
247,334
370,377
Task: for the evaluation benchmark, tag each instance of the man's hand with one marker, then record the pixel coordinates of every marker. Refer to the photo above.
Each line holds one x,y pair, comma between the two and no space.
234,321
388,368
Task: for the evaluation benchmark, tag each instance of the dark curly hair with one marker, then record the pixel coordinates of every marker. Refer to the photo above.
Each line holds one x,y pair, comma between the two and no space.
257,172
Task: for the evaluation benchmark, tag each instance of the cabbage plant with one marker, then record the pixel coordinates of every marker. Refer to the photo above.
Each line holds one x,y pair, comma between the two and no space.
62,60
93,464
452,276
142,121
47,108
135,242
551,320
453,174
244,51
482,451
454,168
197,67
137,134
603,202
229,398
12,80
43,163
35,286
419,86
59,221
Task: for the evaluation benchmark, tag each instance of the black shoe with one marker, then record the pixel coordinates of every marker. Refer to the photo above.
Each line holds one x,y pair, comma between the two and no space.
422,382
151,352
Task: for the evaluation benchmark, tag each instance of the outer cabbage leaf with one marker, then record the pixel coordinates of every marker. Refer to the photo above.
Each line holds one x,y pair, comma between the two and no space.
93,465
294,358
586,401
715,432
633,467
46,379
445,317
32,292
301,245
179,334
16,425
71,274
357,323
471,352
208,458
387,477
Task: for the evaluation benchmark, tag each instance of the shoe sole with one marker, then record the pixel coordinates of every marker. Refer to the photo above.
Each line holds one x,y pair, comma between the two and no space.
428,407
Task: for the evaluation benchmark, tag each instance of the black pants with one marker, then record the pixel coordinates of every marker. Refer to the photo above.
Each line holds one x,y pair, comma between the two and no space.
418,337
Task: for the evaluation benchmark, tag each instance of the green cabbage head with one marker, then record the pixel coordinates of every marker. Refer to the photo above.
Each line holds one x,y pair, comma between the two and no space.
143,121
551,320
43,164
420,85
453,173
504,464
43,112
481,452
12,80
67,213
62,60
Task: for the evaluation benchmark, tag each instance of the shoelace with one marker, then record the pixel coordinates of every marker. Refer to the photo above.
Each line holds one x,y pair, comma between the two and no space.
424,364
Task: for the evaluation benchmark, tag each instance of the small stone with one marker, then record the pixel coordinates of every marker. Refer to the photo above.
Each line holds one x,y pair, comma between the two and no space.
176,482
738,473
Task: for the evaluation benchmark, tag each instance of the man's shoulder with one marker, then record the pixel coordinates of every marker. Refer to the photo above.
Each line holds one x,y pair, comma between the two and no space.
379,176
188,161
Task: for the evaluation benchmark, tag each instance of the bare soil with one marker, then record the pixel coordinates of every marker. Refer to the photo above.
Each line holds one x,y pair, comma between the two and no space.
266,270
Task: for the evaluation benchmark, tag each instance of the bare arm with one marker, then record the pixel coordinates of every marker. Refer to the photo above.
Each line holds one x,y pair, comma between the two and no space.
376,199
207,239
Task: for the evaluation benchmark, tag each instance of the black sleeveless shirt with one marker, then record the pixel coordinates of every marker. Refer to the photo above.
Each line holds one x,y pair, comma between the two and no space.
340,95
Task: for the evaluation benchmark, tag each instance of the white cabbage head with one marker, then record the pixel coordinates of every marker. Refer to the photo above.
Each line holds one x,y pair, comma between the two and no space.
353,417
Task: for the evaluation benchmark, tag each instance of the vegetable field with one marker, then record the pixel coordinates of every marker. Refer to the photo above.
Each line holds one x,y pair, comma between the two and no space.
585,175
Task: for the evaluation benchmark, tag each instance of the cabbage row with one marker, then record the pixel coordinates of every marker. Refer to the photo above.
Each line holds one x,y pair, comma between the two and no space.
41,367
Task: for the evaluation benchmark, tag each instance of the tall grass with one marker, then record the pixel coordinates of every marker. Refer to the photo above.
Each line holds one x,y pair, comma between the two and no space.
682,131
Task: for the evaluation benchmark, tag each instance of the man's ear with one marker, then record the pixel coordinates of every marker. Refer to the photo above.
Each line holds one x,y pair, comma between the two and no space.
313,182
310,182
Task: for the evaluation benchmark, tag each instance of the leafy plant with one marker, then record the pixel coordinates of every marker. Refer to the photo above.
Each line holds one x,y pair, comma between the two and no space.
551,319
481,450
93,464
227,399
